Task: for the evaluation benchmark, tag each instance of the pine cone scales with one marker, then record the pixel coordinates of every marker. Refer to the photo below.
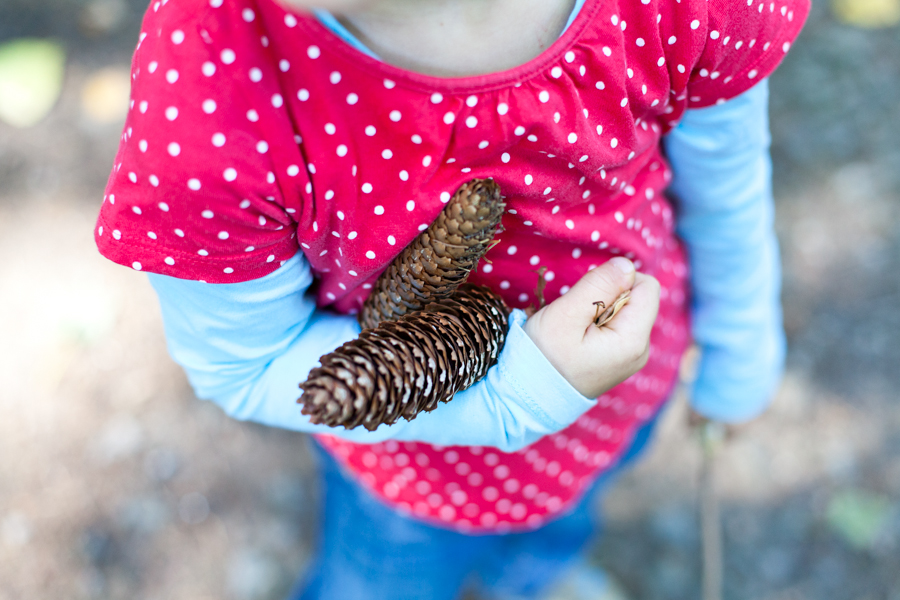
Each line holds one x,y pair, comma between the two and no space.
426,335
405,367
441,257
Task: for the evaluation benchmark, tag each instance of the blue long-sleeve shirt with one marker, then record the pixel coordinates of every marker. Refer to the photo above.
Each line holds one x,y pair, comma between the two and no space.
247,345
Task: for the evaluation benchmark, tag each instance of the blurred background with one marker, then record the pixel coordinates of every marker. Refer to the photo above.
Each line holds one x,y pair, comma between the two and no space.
116,483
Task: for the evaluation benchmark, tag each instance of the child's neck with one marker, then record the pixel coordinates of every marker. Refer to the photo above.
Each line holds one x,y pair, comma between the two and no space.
457,38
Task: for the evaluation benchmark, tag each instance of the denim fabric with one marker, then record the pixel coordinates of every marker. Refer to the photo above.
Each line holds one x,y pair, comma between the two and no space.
368,551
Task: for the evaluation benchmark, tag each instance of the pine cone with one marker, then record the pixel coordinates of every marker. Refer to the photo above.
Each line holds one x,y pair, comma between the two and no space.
441,257
426,335
404,367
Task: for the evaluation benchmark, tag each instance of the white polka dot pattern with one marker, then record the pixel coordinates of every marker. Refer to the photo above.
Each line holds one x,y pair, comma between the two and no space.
255,136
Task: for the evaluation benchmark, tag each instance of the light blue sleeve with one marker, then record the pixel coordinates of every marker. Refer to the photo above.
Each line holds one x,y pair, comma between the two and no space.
725,214
247,346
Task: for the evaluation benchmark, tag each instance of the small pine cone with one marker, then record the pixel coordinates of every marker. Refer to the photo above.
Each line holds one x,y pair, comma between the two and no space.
441,257
408,366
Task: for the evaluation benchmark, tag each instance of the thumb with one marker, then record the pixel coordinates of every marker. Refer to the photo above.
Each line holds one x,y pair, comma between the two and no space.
604,284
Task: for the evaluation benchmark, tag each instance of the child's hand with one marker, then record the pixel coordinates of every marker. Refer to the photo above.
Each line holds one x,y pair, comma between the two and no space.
595,359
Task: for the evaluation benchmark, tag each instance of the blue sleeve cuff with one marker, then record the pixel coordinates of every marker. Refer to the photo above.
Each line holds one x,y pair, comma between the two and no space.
538,384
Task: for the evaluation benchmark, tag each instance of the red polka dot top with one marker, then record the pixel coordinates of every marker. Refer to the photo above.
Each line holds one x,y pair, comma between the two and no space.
255,132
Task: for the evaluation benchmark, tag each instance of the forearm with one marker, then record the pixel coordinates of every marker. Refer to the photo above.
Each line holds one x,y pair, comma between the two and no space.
725,217
248,346
522,399
503,410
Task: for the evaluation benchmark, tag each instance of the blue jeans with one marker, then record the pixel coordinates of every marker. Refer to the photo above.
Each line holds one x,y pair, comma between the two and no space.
368,551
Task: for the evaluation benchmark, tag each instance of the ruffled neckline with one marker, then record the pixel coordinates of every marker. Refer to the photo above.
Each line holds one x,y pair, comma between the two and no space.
459,85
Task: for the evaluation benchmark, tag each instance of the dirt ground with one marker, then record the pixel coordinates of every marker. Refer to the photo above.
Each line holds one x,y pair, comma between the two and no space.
116,483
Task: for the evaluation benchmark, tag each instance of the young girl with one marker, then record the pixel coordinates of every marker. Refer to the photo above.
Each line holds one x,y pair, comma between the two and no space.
273,152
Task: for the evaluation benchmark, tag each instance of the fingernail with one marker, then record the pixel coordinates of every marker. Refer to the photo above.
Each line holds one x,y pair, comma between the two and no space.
624,265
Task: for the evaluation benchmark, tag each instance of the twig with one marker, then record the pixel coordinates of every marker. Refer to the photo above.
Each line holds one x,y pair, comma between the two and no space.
711,435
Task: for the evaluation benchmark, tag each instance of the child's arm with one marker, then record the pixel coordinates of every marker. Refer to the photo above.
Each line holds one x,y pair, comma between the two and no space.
720,156
248,345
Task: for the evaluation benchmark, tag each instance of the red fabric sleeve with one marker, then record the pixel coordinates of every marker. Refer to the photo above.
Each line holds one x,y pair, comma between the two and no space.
209,176
745,41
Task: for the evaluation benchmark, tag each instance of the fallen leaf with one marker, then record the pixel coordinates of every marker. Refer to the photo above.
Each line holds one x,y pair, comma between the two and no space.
859,517
871,14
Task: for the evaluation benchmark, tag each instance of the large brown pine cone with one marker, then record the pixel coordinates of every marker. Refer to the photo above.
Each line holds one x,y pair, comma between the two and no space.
404,367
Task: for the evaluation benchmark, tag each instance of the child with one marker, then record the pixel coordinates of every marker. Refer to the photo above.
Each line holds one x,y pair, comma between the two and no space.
270,151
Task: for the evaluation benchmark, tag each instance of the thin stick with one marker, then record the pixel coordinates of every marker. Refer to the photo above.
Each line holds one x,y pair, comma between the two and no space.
712,435
541,284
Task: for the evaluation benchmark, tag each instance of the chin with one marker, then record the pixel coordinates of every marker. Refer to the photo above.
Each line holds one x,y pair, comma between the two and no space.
329,5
